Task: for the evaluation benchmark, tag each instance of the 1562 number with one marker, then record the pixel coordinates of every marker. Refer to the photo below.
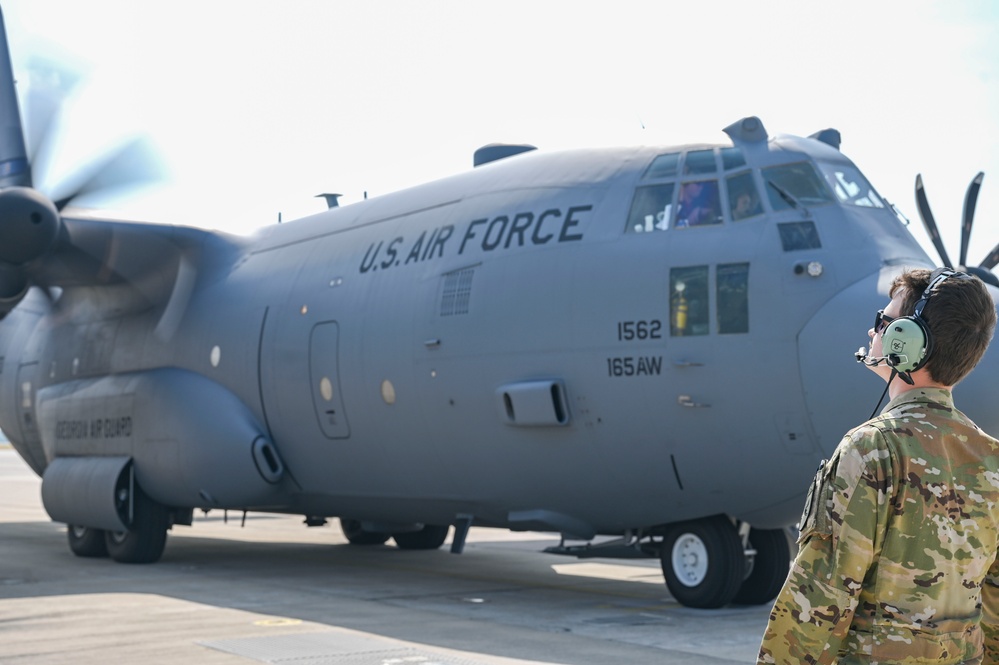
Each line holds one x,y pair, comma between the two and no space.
628,331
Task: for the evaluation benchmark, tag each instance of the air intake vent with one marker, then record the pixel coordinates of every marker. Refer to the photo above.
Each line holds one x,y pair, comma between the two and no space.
533,404
457,292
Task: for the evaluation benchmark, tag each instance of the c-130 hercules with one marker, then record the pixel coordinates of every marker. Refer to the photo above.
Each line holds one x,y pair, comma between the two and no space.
648,343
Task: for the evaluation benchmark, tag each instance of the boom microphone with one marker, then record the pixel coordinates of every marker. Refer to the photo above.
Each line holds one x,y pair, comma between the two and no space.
862,357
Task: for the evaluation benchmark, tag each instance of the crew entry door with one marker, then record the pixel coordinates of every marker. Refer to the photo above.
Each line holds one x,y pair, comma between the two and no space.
324,375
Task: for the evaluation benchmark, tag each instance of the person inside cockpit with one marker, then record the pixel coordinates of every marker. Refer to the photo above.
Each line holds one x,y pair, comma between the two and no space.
744,204
698,204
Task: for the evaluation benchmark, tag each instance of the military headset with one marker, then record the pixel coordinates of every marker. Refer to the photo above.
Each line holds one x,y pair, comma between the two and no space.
907,342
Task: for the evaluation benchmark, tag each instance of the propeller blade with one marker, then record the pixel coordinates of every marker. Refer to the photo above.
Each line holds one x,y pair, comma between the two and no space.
132,165
970,199
991,260
47,84
76,144
928,221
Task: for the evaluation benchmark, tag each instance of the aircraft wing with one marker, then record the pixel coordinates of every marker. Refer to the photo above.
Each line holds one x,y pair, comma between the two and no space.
145,260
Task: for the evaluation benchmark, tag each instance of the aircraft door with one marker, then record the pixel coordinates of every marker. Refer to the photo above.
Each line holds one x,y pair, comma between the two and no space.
324,378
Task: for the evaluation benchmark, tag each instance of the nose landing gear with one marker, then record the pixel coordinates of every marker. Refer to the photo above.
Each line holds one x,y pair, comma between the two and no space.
708,565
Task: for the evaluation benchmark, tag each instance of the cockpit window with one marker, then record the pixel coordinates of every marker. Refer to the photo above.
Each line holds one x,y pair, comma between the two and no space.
732,158
698,204
650,209
851,186
700,161
664,166
743,199
688,301
795,185
732,286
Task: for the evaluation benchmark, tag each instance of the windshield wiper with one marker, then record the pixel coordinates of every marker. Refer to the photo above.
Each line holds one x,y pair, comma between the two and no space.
789,199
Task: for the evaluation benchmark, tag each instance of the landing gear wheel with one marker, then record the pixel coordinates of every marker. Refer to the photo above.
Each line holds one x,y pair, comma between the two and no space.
703,562
87,542
144,542
430,537
357,536
769,567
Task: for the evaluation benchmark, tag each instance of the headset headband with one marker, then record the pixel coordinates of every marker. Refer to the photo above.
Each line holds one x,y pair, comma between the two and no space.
938,277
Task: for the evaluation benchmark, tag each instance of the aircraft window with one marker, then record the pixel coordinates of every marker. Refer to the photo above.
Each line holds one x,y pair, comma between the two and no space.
851,186
650,209
733,297
698,205
732,158
700,161
793,185
688,302
743,199
799,235
664,166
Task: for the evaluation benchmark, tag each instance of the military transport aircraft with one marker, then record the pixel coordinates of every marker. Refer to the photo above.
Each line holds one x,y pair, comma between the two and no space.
648,344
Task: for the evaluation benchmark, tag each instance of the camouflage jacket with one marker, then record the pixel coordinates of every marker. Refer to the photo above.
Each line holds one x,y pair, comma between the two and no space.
897,553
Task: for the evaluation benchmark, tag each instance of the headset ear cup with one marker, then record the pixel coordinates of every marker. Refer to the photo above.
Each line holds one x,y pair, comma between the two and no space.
905,342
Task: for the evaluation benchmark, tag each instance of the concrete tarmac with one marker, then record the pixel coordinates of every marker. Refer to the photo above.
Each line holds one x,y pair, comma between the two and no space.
275,591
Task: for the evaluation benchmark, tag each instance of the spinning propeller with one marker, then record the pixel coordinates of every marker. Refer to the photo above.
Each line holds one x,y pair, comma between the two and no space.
984,269
40,176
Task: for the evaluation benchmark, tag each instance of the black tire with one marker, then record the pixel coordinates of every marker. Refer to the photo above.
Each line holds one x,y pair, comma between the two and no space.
357,536
86,542
430,537
769,567
703,562
144,542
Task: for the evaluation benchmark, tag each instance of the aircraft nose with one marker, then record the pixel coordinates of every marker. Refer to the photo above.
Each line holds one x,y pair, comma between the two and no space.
840,393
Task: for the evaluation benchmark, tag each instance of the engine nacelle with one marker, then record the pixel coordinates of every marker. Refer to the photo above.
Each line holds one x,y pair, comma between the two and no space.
192,442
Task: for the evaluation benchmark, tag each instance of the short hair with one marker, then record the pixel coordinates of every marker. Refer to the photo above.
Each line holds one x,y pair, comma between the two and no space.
961,317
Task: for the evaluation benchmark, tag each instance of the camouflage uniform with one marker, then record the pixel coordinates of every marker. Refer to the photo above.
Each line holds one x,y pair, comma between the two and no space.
897,559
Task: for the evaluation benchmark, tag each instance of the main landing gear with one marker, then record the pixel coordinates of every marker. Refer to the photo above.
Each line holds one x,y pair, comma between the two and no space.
142,543
709,562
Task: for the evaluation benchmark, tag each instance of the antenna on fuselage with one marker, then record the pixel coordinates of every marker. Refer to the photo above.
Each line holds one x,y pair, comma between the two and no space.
332,200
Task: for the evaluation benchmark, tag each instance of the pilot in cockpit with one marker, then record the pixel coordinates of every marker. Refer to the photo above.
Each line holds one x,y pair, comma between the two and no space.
745,204
698,204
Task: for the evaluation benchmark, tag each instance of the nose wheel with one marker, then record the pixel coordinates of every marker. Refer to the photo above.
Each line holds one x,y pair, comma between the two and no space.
703,562
690,560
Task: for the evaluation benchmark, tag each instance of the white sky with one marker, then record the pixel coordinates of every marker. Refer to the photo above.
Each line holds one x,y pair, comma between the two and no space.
258,106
